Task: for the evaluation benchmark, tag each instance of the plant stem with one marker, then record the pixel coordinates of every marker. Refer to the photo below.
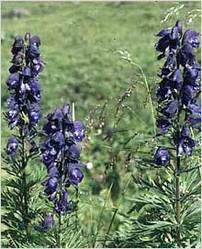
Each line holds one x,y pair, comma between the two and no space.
177,193
110,225
100,216
149,94
24,183
59,231
177,180
115,211
59,213
77,200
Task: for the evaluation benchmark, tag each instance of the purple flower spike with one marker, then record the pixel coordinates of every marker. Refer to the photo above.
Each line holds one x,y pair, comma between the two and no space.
24,86
60,154
178,90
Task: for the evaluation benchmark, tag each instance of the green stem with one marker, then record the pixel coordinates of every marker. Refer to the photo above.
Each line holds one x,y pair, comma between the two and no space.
110,225
177,195
77,200
24,183
59,230
116,210
149,94
58,235
177,180
101,214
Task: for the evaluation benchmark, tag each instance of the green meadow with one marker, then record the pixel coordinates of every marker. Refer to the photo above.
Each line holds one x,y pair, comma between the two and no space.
99,56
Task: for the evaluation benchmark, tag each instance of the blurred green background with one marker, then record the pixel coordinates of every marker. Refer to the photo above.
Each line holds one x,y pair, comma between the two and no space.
80,44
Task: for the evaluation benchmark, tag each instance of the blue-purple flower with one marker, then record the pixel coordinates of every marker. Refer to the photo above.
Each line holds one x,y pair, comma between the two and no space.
164,92
185,143
163,125
51,185
12,146
13,81
61,154
162,157
178,90
18,45
79,131
61,205
169,38
23,84
191,37
48,222
73,151
194,122
170,109
74,173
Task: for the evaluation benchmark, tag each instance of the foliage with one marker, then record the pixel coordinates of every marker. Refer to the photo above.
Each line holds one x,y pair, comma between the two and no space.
98,55
168,214
151,221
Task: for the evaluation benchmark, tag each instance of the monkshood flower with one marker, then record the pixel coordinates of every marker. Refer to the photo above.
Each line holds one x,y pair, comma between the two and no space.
178,91
23,83
185,143
61,156
195,122
162,156
61,206
75,174
23,115
163,125
12,146
169,38
48,222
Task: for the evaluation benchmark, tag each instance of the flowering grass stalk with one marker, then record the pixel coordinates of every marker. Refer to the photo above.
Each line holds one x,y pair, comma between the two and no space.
23,116
179,110
61,153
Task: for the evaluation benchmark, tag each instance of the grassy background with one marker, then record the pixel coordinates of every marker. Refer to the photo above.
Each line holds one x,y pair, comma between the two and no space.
79,45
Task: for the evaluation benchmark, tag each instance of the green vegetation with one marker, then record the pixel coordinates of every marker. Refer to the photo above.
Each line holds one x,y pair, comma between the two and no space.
84,47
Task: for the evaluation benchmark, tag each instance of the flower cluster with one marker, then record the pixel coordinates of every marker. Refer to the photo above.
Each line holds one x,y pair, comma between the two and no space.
61,153
178,90
23,83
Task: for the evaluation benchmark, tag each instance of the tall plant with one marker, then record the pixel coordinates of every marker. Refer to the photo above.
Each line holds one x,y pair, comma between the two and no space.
61,153
179,110
23,116
168,209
